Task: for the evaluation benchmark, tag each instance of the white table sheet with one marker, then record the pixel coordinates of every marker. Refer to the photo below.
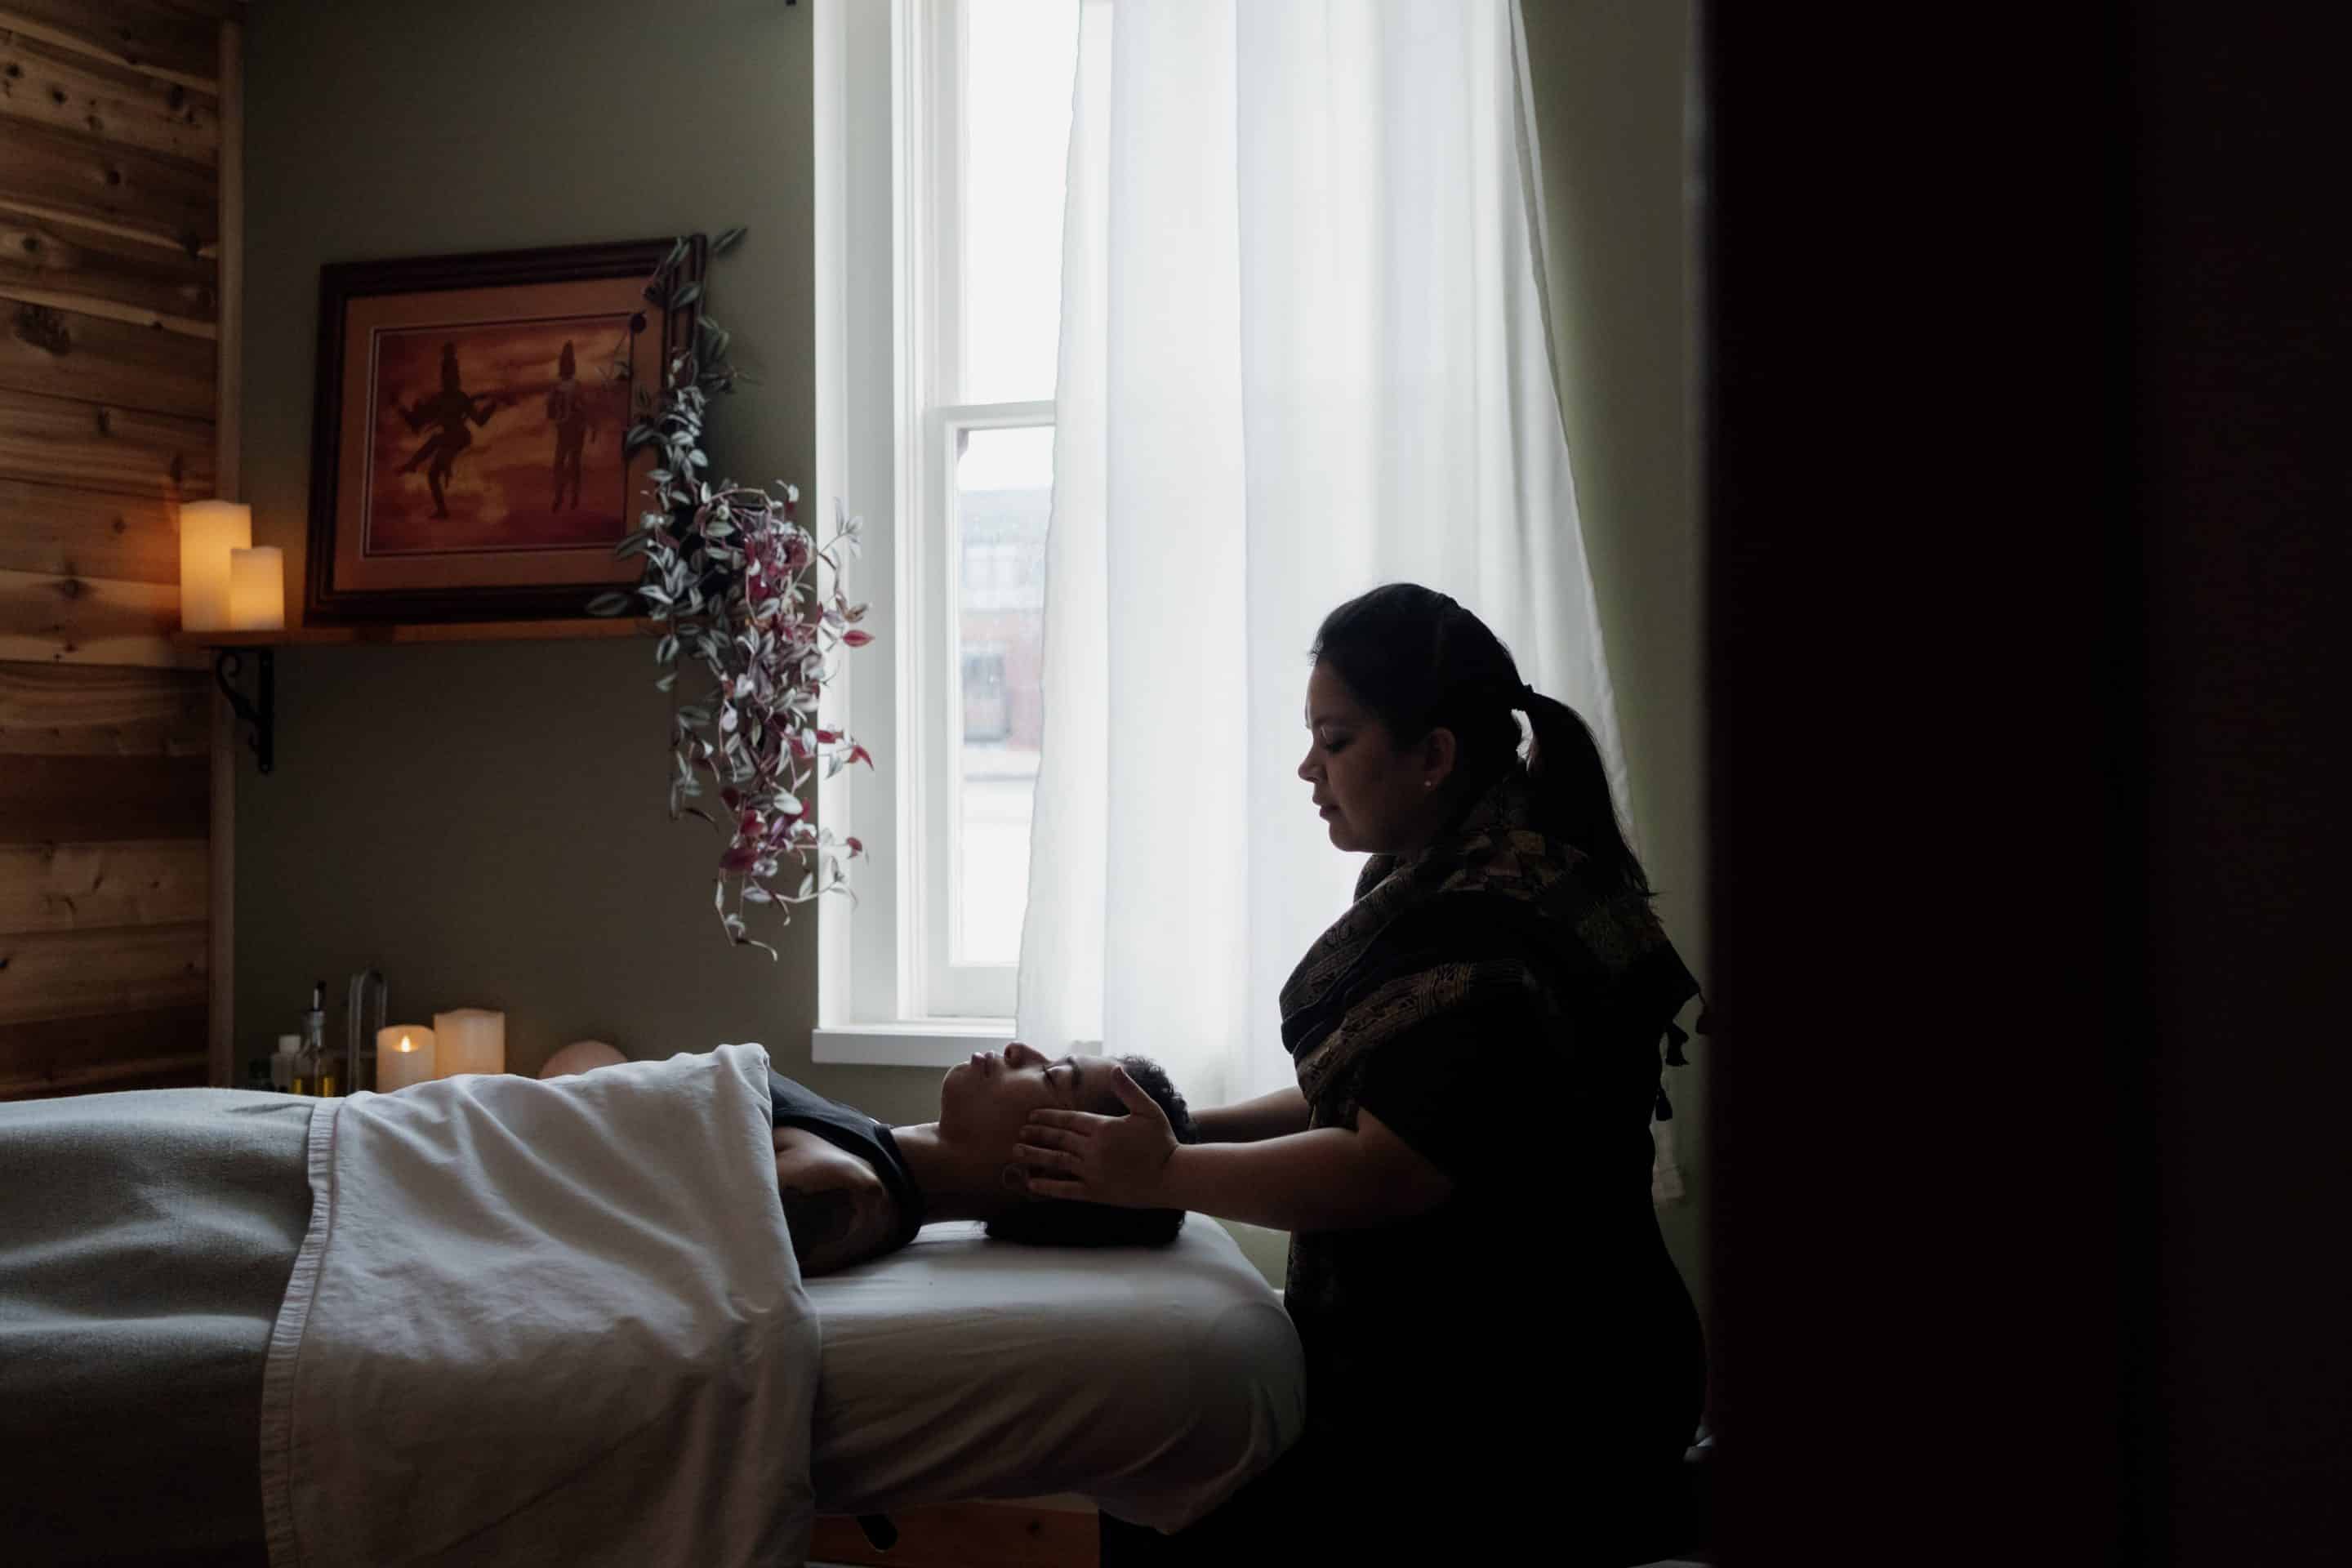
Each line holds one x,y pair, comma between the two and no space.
1155,1381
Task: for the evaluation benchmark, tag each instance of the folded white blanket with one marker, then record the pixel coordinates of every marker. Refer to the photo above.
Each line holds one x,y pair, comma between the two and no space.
544,1322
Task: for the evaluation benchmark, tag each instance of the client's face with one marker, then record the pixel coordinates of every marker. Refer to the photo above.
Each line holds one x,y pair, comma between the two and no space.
985,1102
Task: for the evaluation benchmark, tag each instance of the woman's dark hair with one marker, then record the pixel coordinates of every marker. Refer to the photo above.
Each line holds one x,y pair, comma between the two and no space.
1065,1222
1422,662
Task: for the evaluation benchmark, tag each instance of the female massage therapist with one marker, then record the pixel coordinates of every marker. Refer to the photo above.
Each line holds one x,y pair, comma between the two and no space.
1498,1348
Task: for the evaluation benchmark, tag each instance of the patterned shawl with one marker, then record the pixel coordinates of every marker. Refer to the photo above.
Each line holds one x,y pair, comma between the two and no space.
1427,934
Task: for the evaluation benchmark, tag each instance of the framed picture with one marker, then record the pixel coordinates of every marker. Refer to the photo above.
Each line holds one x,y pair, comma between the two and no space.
466,462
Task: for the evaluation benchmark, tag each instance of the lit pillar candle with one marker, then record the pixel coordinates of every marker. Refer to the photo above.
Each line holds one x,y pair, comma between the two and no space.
257,589
404,1055
209,530
471,1039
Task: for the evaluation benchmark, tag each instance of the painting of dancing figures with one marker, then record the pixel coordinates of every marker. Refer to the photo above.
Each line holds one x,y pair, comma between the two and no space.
496,439
470,452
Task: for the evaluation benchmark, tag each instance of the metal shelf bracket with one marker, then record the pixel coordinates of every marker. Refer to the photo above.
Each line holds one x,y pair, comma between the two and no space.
260,710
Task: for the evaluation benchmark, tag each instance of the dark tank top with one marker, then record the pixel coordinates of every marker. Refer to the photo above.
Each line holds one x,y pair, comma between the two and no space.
849,1129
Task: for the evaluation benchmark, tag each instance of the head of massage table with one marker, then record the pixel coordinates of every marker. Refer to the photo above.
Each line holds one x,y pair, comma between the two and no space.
1153,1381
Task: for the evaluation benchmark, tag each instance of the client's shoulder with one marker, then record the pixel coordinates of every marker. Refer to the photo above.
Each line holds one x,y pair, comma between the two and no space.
813,1162
836,1208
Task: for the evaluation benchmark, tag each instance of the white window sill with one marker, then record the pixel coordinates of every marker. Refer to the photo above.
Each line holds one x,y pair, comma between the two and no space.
912,1043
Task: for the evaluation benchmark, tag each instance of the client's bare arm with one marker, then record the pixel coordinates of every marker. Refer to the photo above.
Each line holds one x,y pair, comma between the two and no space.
836,1208
1275,1115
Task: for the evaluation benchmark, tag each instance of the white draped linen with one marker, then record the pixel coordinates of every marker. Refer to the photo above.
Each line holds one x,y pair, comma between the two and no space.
544,1324
1303,352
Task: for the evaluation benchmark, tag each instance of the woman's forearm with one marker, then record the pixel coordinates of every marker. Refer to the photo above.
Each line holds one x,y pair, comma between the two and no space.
1328,1179
1269,1116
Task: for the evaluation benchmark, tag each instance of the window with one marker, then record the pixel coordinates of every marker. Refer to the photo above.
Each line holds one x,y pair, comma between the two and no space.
942,129
987,717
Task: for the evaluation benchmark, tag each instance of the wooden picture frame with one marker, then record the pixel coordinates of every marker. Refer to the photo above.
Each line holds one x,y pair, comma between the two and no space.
456,473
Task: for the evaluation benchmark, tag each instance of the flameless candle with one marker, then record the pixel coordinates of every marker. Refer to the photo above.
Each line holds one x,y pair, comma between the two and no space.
209,530
404,1055
257,589
471,1039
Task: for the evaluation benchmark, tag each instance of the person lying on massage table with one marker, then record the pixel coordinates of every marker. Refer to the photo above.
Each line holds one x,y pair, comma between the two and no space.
854,1188
152,1242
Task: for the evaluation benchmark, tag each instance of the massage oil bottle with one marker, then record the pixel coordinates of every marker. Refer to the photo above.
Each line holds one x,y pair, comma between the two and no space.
314,1073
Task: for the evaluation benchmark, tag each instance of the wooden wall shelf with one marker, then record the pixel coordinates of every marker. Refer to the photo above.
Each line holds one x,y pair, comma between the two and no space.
259,711
443,631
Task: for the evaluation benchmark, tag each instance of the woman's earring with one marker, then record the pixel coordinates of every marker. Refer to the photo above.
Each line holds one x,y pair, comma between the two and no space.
1014,1179
1429,784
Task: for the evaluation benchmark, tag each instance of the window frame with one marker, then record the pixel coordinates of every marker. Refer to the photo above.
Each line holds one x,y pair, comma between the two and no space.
889,241
944,988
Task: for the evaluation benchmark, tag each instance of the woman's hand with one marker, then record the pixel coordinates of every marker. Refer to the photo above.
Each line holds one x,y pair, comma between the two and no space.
1117,1160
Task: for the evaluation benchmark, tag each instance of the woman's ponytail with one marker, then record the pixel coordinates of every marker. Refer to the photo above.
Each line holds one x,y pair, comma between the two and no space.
1570,785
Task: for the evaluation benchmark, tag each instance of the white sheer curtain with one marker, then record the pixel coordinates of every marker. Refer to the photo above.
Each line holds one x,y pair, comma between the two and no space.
1303,352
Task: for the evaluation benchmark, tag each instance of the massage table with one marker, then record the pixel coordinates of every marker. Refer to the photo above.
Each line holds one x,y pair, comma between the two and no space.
1151,1381
138,1310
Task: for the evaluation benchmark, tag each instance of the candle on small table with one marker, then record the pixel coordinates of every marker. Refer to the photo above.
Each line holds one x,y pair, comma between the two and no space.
471,1039
404,1055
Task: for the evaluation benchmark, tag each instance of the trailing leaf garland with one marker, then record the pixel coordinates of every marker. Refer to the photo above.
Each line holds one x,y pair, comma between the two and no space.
730,578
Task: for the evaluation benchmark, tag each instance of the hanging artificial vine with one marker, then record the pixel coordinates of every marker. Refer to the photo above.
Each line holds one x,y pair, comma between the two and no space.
730,578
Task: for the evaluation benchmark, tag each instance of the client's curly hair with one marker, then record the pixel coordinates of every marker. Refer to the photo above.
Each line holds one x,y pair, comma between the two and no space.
1067,1222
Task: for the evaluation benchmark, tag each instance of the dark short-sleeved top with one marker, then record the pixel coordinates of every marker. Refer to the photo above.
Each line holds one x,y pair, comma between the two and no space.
1539,1296
851,1129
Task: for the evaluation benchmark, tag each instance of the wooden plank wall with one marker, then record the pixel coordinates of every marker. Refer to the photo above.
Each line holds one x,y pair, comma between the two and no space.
110,321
